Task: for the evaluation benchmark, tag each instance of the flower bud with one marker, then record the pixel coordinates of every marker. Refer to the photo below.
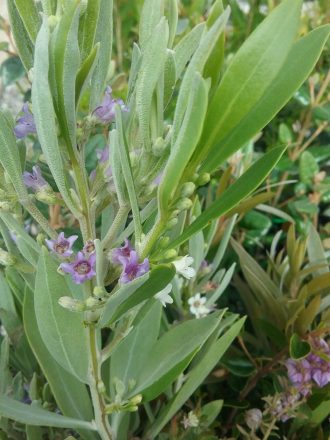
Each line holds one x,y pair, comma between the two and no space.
132,408
174,213
184,204
74,305
101,387
170,254
92,302
6,259
136,399
46,195
187,189
6,206
253,418
203,179
171,223
99,292
163,242
159,147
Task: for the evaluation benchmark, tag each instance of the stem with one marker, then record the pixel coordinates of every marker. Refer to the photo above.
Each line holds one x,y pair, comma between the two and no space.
101,418
151,238
43,222
112,232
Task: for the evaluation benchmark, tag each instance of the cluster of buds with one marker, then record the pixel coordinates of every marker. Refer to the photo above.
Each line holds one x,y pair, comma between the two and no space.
283,406
76,305
313,370
130,405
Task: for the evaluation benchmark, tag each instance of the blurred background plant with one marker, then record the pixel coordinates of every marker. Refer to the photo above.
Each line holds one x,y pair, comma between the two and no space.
279,254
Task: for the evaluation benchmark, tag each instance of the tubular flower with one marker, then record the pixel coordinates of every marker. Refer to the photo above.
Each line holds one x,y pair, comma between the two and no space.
105,112
62,246
25,124
81,269
132,268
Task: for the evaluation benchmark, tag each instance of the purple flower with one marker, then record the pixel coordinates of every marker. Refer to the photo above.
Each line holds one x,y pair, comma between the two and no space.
25,124
103,155
132,268
34,180
89,247
82,268
321,372
120,255
62,246
299,372
105,112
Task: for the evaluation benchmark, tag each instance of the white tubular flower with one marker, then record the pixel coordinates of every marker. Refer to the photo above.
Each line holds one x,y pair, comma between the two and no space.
164,295
197,306
183,268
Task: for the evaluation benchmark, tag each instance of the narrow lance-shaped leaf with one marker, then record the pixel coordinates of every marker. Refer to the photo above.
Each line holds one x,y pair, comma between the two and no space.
31,415
150,16
197,64
88,27
70,394
62,331
296,68
186,142
85,72
66,58
29,14
195,378
103,35
23,42
43,109
244,186
9,158
153,59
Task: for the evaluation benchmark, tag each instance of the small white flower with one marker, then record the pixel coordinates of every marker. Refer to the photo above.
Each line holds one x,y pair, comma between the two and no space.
190,421
197,306
182,267
164,295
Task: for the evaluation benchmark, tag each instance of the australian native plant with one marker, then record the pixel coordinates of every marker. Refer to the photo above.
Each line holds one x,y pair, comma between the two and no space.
89,333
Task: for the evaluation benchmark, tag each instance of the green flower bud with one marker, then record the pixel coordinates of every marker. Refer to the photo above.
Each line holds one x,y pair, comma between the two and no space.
171,223
6,206
174,213
132,408
203,179
92,302
163,242
74,305
101,387
99,292
41,238
184,204
46,195
170,254
6,259
136,399
187,189
159,147
52,21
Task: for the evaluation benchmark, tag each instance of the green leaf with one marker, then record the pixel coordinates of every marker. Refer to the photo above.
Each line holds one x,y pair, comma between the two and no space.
315,250
29,14
132,354
42,102
298,348
150,17
152,65
195,377
103,36
9,157
227,138
70,394
30,415
132,294
62,331
66,59
11,70
171,12
23,42
186,142
85,72
320,413
308,167
236,192
248,77
179,346
186,47
197,64
88,27
210,411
